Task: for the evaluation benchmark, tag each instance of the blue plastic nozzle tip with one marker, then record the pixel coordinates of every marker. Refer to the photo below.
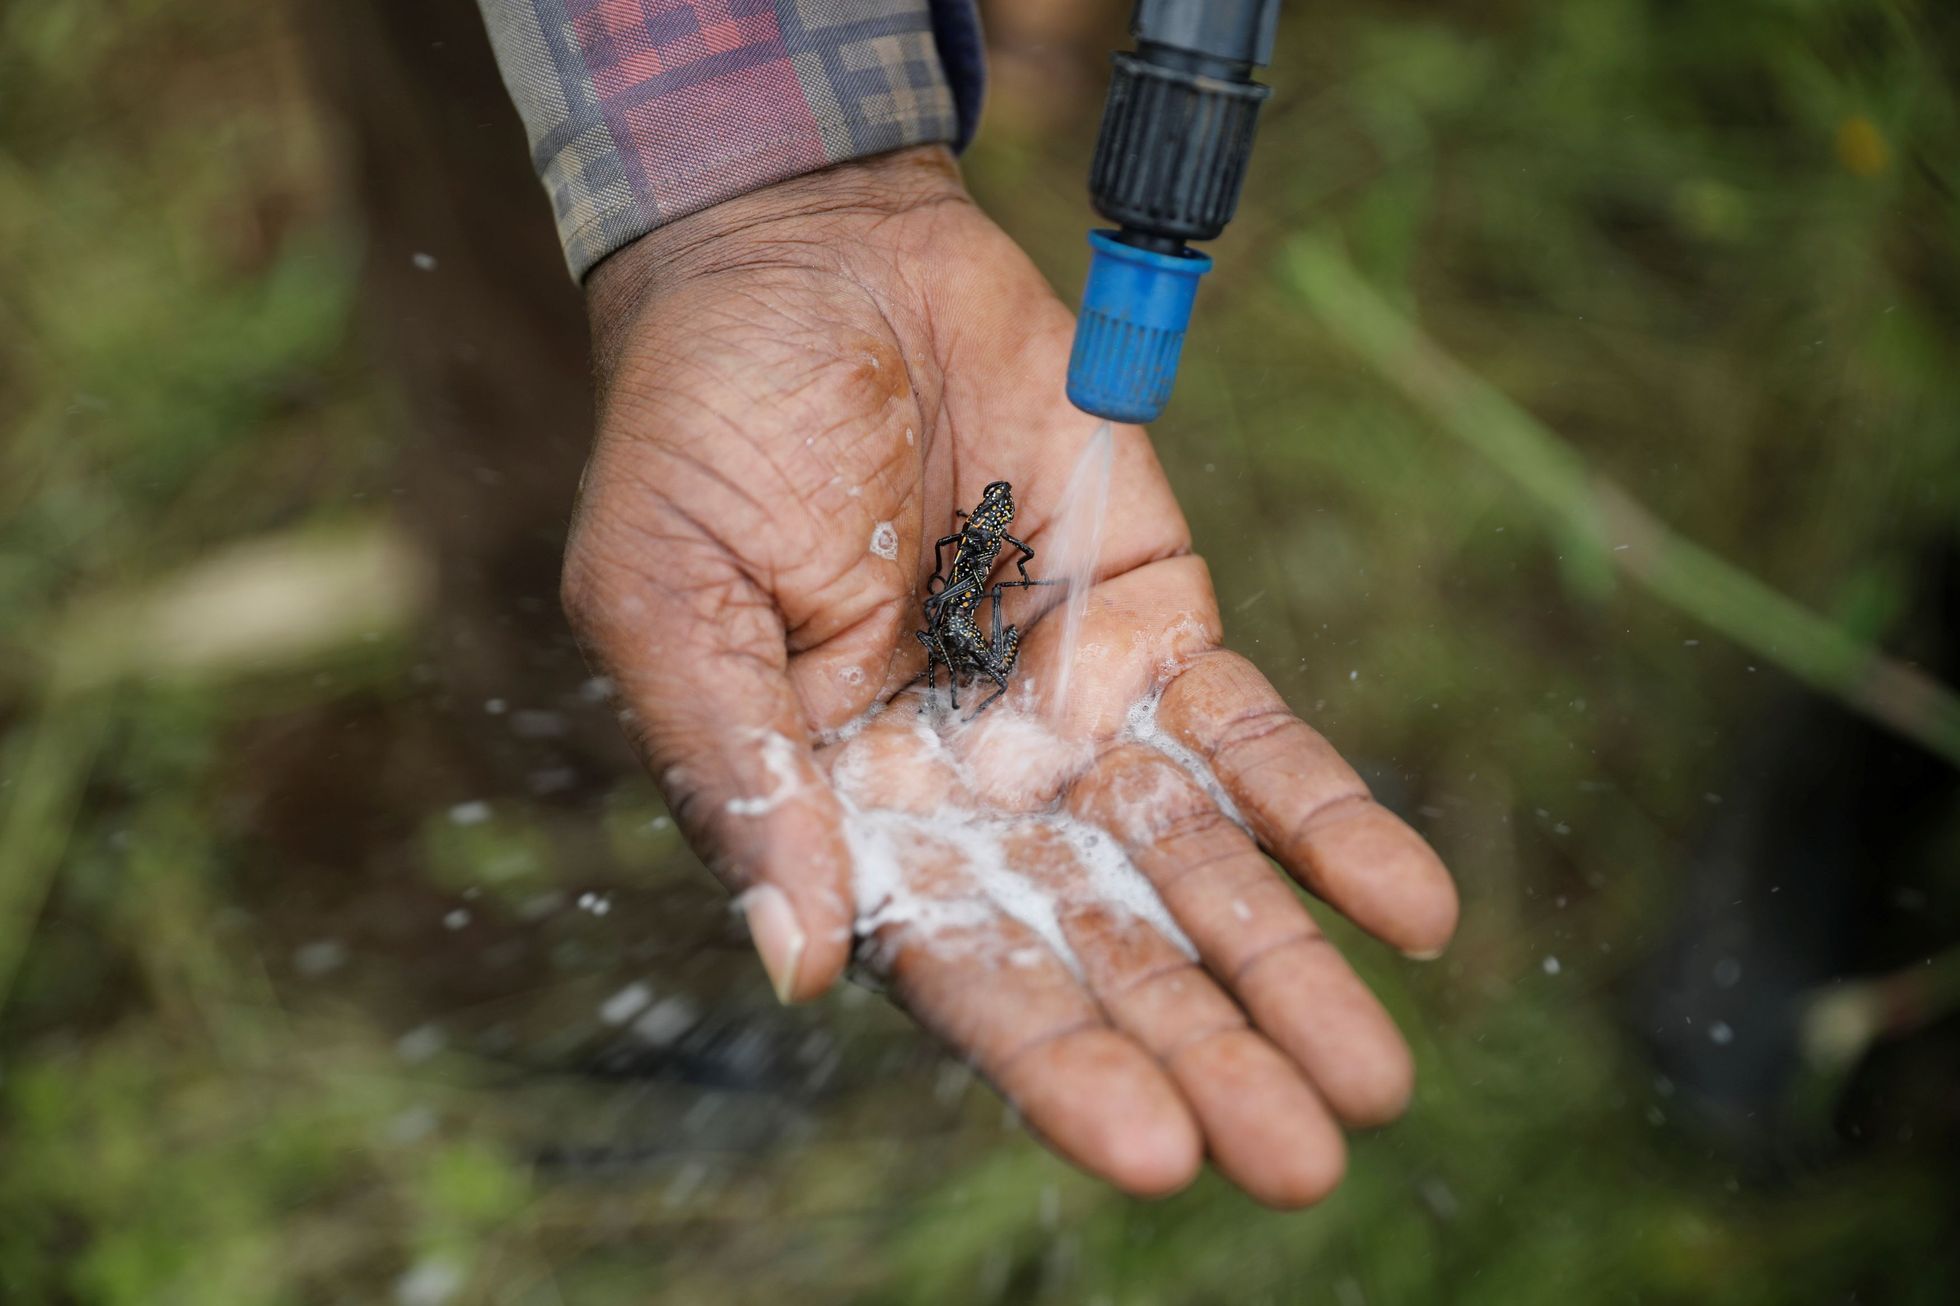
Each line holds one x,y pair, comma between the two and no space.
1131,333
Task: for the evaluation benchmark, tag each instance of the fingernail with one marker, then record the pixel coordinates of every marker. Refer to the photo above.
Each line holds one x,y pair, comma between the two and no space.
1430,955
778,938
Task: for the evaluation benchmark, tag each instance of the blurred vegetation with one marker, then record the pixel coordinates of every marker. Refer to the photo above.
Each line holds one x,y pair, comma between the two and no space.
1710,253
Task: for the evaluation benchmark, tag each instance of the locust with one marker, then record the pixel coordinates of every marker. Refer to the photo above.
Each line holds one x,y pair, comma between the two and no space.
952,635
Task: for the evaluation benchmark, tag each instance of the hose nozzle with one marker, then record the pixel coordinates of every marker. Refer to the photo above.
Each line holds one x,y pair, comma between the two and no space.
1176,135
1131,332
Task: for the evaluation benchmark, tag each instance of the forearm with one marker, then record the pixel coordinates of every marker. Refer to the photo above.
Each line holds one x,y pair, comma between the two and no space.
639,114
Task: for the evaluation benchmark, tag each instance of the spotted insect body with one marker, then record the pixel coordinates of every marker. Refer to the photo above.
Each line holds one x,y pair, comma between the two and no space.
953,637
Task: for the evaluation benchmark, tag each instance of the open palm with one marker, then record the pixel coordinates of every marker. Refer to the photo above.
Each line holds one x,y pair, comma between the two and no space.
798,389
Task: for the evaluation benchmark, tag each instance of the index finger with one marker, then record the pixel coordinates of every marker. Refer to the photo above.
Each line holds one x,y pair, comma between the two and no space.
1307,806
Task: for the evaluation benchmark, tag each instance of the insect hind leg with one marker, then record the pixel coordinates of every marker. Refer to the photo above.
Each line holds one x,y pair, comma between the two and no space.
998,675
935,658
1000,656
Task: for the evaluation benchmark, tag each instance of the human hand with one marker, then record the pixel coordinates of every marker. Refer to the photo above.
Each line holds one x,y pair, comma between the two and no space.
798,388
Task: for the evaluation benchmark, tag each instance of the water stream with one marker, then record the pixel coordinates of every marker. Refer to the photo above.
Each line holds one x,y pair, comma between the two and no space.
1075,544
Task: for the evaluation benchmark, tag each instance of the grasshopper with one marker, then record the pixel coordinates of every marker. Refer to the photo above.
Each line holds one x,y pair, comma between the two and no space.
952,636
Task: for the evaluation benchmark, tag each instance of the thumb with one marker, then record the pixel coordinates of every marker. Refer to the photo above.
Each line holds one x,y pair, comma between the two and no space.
697,651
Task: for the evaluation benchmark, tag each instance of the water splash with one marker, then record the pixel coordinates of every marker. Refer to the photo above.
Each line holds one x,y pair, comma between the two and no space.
1075,548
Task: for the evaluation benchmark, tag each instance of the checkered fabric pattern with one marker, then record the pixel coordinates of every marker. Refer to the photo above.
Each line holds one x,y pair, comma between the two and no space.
643,111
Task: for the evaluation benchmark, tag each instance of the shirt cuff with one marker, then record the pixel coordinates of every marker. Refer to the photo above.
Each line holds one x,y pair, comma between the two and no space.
643,111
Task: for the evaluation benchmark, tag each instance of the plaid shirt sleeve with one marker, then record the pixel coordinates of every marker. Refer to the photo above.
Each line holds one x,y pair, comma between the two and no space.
643,111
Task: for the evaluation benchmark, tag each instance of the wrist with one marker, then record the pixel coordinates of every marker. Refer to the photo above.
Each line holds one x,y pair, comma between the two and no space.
821,219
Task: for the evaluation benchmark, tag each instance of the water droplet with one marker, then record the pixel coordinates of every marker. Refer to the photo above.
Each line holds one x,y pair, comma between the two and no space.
625,1004
321,957
470,813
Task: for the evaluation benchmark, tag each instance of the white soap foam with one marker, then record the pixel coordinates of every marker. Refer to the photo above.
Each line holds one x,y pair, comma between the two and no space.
1142,726
949,872
852,728
1113,878
885,844
1148,802
779,756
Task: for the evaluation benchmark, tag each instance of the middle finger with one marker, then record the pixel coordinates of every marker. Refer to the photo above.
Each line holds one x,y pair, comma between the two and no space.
1264,1126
